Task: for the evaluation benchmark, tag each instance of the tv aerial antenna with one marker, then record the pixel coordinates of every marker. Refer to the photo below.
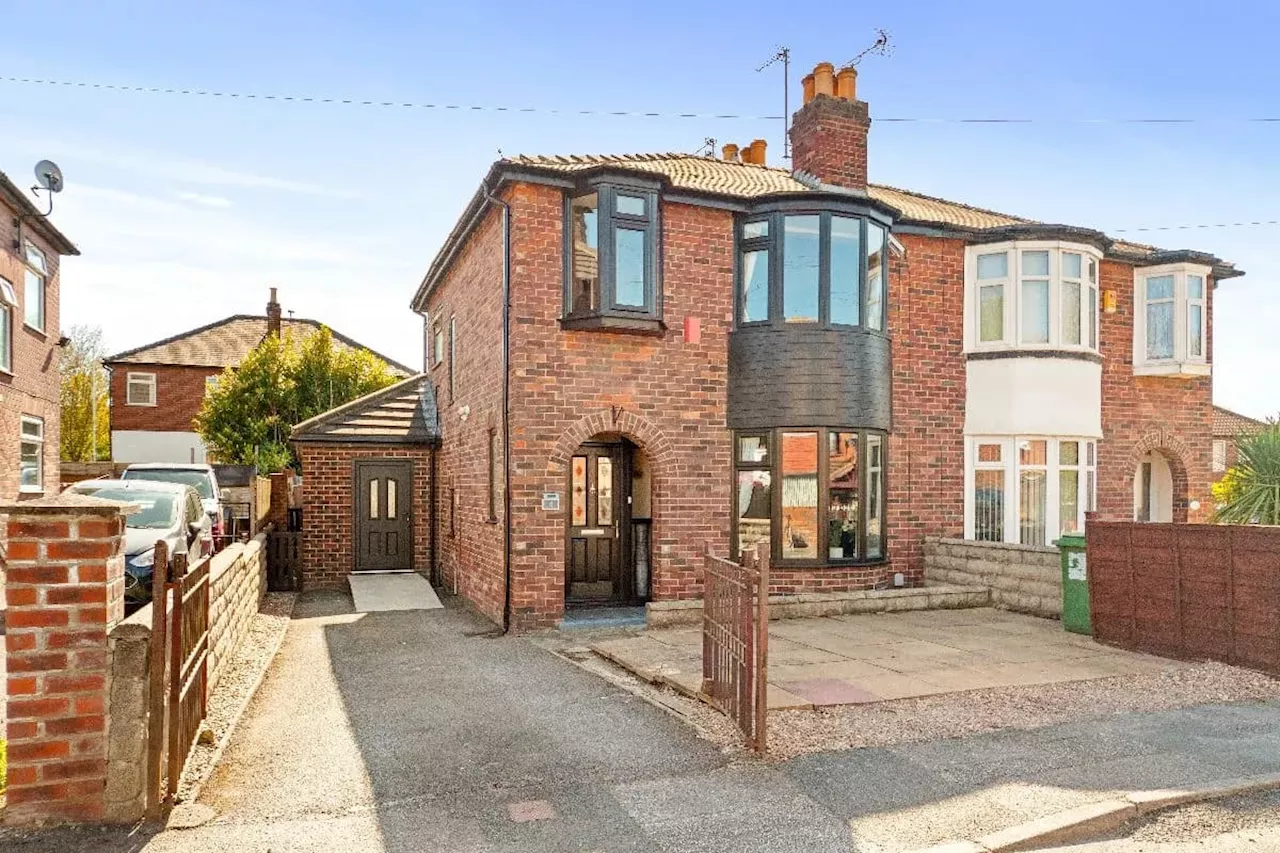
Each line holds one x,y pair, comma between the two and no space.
783,55
880,47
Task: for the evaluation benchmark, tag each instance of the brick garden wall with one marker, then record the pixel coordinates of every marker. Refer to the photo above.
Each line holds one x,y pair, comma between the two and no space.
470,541
328,480
1192,591
1022,578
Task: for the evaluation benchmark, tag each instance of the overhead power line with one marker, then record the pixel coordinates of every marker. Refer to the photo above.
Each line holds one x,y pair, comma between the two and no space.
419,105
1200,225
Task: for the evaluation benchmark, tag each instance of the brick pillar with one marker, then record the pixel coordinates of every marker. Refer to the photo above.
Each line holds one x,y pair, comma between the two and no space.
278,513
65,590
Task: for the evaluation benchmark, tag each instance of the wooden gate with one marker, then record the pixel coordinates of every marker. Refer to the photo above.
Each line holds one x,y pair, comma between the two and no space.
179,672
284,561
735,640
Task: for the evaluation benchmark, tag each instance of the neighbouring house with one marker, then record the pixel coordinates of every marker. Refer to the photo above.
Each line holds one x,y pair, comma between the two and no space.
631,356
30,346
1228,428
157,389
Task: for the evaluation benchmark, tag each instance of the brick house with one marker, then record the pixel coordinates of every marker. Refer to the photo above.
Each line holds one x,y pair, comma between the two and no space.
634,355
1228,427
157,389
31,249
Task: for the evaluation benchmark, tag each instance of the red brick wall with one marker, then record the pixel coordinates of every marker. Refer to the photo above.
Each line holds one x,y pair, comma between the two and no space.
328,480
34,386
471,543
1142,413
926,451
179,393
829,140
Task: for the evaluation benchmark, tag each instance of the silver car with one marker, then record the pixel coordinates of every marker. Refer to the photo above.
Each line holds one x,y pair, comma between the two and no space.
170,512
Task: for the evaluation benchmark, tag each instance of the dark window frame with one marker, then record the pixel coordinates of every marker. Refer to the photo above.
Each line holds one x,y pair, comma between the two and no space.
774,467
453,354
609,314
775,242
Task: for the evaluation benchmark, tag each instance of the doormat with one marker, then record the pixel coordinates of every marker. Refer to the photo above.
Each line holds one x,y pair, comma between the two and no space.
373,593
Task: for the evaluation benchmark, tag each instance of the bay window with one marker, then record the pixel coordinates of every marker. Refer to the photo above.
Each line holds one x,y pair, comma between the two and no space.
1028,490
828,506
1170,327
1032,295
812,269
612,259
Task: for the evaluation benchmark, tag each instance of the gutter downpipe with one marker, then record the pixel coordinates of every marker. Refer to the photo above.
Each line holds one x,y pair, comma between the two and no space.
506,402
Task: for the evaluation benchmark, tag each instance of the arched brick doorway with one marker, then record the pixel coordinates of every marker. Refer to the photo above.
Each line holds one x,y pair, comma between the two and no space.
612,467
1161,490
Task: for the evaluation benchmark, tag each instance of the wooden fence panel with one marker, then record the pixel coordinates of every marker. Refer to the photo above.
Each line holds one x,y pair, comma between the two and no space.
1193,591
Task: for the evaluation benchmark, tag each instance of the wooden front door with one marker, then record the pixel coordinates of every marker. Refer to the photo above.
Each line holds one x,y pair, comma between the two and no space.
597,527
384,515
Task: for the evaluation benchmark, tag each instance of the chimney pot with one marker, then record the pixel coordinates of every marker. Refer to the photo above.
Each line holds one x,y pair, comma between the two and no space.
824,79
757,151
273,315
729,152
807,83
847,84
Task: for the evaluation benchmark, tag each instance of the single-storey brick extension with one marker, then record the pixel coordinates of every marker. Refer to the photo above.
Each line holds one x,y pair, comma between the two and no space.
629,356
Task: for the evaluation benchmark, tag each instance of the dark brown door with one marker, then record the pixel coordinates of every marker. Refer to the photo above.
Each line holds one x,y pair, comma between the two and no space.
384,516
594,570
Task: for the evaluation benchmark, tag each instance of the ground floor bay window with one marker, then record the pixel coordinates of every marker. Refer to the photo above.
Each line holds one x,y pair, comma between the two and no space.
1028,490
815,494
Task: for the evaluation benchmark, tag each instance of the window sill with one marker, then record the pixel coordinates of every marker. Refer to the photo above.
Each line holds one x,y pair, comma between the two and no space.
142,405
1175,369
31,490
34,330
1031,351
613,323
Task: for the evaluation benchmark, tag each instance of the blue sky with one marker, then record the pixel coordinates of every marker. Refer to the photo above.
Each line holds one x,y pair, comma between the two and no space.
188,209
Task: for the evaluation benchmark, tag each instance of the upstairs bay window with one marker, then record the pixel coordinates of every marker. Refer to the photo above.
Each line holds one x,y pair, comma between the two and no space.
612,260
819,269
1032,295
1170,327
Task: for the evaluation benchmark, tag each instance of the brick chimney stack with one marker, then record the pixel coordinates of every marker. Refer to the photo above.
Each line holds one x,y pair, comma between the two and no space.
829,132
273,315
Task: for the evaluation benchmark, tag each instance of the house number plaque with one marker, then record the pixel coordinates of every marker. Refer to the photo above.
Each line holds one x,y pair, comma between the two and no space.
551,501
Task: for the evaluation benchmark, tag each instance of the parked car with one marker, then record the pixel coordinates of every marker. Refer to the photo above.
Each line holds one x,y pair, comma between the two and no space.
170,512
200,477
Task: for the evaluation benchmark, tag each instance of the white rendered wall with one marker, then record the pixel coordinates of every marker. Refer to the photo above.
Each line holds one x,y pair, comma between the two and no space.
156,446
1033,396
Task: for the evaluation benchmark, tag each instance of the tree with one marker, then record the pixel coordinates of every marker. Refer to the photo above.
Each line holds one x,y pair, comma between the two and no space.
1250,492
248,414
86,421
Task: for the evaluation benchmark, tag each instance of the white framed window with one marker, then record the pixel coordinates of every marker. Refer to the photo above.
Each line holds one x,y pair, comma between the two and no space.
31,455
37,272
1171,320
140,389
1219,455
1031,294
8,305
211,382
1028,490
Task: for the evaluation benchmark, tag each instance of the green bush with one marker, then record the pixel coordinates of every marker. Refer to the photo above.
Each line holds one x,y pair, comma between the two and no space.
1250,492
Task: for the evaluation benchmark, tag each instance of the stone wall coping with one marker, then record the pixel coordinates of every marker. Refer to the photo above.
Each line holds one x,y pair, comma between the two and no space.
71,505
998,546
803,597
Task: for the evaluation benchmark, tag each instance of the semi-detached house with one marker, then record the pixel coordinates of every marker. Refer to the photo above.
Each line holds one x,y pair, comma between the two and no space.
630,356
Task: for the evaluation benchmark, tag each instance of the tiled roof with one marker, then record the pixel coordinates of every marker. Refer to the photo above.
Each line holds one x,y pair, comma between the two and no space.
404,413
700,173
226,343
1228,424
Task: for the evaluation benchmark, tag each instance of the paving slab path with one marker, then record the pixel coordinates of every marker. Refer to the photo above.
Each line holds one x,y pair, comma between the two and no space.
421,731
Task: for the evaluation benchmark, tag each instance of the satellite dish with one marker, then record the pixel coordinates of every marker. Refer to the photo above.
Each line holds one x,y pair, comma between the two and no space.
49,176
